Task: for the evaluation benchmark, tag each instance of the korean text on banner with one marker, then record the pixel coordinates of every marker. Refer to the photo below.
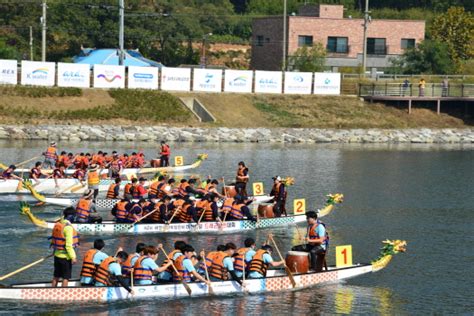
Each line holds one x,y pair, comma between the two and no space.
142,77
298,82
209,80
8,71
238,81
327,83
175,79
106,76
268,81
74,75
38,73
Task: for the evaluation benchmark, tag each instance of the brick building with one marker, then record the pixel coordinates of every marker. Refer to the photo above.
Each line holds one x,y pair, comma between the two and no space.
342,37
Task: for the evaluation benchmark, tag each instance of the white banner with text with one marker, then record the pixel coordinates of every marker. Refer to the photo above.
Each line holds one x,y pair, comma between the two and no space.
238,81
209,80
8,71
142,77
175,79
38,73
327,83
268,81
106,76
74,75
298,82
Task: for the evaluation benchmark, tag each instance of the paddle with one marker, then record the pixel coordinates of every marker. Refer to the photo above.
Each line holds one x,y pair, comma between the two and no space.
200,219
26,161
145,216
288,271
78,187
167,224
25,267
131,280
41,181
211,290
244,288
188,289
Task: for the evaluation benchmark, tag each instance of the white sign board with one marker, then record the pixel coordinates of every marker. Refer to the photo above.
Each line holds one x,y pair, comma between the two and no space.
268,81
238,81
37,73
327,83
177,79
8,71
298,82
142,77
106,76
74,75
209,80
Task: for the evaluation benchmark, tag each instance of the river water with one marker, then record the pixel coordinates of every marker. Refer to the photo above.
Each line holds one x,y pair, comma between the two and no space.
420,193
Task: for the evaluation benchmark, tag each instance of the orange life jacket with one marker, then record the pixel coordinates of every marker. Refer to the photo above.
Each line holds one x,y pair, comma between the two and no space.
227,206
170,257
210,259
51,153
162,192
182,272
93,178
154,189
236,211
241,173
257,264
58,241
218,270
127,265
126,189
131,214
83,208
156,216
239,259
102,273
183,215
111,192
141,273
121,210
205,206
88,266
60,160
182,189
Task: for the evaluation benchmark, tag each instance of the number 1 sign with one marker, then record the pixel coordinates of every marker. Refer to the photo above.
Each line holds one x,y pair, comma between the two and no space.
343,256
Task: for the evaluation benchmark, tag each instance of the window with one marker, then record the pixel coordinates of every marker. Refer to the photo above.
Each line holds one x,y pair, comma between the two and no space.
259,40
337,45
376,46
305,40
408,43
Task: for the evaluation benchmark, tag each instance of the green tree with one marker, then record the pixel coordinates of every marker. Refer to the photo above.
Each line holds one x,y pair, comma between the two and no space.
456,29
430,57
309,59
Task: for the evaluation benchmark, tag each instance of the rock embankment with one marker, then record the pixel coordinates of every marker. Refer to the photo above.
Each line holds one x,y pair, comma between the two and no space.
77,133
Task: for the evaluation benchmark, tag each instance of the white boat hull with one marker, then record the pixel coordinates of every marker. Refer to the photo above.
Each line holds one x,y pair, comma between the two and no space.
48,186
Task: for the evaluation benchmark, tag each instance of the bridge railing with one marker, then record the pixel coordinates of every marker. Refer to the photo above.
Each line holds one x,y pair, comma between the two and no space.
413,90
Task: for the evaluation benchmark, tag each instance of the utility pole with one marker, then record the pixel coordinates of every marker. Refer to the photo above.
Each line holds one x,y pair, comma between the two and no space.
366,25
121,26
31,43
283,61
43,35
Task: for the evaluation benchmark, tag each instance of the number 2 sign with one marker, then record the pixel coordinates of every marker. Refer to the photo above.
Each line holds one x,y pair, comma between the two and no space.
299,206
257,188
343,256
178,161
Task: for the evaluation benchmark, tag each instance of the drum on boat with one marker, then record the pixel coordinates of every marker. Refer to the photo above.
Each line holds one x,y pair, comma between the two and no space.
297,261
155,163
266,210
229,191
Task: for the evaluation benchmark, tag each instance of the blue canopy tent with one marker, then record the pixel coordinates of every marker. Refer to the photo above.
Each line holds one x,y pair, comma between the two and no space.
93,56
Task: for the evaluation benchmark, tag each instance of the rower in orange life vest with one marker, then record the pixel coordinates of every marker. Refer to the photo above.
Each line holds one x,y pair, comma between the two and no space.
167,274
109,272
50,156
187,211
186,188
168,189
279,196
241,179
114,190
186,270
145,266
115,166
165,154
86,211
132,258
240,210
92,258
316,241
136,211
62,159
243,257
58,173
129,188
155,187
121,210
261,260
162,211
208,205
139,191
63,240
222,265
93,179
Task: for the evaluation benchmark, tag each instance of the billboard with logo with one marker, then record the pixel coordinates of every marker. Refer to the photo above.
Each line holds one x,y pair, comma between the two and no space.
238,81
209,80
8,71
142,77
268,81
74,75
37,73
298,82
327,83
175,79
106,76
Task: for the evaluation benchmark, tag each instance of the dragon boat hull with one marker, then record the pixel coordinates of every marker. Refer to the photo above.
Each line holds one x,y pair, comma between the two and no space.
275,281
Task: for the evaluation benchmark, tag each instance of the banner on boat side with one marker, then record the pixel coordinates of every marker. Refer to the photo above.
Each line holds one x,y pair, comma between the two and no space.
106,76
298,82
209,80
176,79
8,71
327,83
38,73
268,81
238,81
142,77
74,75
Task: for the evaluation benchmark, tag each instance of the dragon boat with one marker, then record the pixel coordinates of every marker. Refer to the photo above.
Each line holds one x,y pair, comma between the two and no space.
130,172
275,281
111,227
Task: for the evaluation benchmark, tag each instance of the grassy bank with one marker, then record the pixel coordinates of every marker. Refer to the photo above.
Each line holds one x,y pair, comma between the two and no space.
28,105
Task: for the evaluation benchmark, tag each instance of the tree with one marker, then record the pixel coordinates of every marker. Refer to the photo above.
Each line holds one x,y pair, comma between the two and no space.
430,57
456,29
309,59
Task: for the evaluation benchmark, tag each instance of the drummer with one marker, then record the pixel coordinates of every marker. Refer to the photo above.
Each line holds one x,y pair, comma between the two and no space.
261,261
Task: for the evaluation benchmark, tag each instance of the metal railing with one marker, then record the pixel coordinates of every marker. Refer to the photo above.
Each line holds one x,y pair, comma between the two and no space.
413,90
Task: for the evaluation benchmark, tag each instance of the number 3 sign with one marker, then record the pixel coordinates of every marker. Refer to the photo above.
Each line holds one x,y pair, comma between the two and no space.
257,188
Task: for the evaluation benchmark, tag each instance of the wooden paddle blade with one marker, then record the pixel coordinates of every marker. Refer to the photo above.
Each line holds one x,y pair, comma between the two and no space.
211,290
290,275
186,286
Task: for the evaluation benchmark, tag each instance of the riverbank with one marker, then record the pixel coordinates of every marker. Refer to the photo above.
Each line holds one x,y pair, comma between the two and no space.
78,133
